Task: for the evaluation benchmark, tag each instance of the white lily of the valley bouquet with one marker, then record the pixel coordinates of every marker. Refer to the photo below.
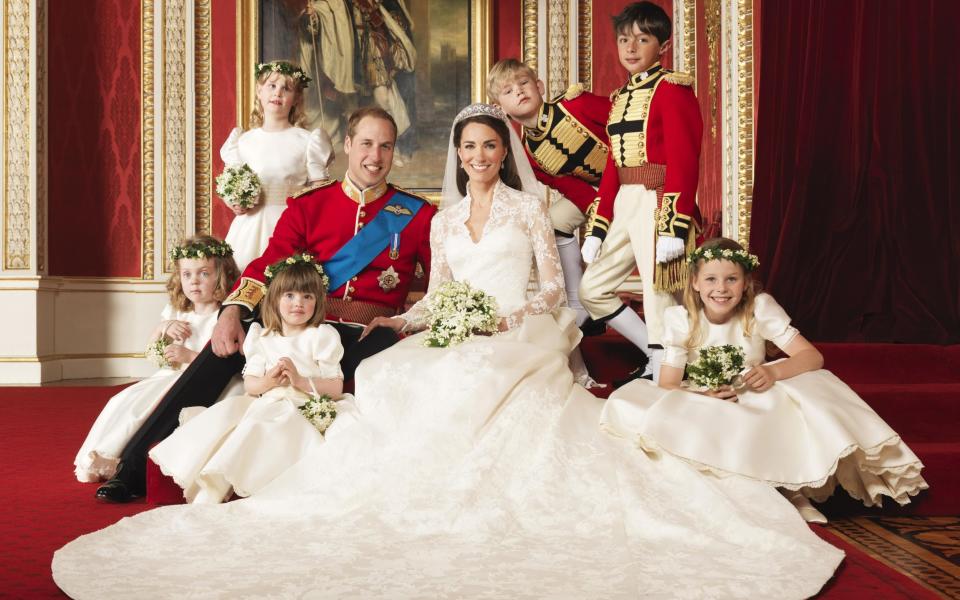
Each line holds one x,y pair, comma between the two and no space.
320,410
458,311
154,352
239,186
716,366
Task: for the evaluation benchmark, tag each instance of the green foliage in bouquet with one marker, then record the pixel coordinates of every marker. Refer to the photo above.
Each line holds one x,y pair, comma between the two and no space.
716,366
239,186
458,311
320,410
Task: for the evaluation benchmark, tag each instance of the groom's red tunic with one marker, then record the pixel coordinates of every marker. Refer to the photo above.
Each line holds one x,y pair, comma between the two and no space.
320,222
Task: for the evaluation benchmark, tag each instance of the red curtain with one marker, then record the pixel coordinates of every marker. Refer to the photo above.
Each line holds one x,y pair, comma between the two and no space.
856,214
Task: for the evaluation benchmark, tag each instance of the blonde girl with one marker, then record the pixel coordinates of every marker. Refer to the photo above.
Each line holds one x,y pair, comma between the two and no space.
787,422
204,271
284,156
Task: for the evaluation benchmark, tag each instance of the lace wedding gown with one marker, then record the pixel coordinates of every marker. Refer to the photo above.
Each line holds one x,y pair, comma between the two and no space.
476,471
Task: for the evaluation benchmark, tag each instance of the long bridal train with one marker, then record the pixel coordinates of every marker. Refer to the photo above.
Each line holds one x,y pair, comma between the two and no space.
476,471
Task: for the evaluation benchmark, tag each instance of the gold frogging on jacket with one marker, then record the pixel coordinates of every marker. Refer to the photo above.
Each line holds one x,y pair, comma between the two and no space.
562,145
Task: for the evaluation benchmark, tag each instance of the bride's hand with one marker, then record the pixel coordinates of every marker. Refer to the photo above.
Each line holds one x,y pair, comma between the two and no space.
394,323
724,393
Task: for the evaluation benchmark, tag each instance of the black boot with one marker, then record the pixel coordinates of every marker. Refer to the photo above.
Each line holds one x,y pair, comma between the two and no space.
637,373
591,327
126,485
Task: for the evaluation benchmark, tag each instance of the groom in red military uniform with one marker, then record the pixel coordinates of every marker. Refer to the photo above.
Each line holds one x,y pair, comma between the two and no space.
368,235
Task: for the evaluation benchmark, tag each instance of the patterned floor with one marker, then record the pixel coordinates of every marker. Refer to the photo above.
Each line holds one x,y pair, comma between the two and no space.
926,549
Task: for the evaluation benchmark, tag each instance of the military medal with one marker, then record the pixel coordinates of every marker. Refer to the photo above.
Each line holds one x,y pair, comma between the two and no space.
388,279
394,247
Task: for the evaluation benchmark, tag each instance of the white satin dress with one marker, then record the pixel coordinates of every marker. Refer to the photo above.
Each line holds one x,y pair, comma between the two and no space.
810,432
475,471
285,161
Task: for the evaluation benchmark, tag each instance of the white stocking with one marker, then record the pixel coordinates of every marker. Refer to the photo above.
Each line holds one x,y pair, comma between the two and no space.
629,324
570,258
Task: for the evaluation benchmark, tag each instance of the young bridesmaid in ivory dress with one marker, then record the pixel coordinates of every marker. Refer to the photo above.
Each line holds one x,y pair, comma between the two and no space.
243,442
204,272
791,423
284,156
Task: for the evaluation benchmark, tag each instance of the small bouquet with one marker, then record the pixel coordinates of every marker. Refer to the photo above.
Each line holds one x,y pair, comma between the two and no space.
716,367
154,352
239,186
320,410
458,311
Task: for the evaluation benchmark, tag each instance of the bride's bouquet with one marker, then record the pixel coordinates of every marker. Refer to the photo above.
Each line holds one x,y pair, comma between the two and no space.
320,410
458,311
716,366
154,352
239,186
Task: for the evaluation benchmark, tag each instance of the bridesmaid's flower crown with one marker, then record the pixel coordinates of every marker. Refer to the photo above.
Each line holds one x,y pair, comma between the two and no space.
748,261
297,259
201,250
491,110
284,68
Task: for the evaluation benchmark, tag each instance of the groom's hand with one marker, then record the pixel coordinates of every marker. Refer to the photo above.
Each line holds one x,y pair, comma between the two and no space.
228,333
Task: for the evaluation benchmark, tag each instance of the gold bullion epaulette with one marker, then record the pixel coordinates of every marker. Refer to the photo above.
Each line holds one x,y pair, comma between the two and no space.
315,186
414,194
679,78
573,91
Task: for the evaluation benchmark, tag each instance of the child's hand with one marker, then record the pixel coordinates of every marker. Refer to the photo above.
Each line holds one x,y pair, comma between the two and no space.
291,374
276,376
179,354
238,210
177,330
760,378
724,393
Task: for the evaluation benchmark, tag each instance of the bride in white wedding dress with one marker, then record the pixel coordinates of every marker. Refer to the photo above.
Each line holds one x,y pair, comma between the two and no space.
475,471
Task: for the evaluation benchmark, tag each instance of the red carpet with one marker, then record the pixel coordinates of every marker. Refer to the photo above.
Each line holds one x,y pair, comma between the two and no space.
44,507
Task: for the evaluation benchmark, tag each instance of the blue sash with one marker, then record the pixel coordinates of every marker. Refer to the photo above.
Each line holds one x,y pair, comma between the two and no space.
373,239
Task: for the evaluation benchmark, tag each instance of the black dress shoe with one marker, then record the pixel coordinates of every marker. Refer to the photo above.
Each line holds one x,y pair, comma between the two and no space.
591,327
121,488
117,490
638,373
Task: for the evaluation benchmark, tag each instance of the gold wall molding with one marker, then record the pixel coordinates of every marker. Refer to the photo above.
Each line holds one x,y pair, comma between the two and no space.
685,37
174,127
558,47
52,357
146,139
481,47
41,129
737,94
203,132
711,9
528,33
585,43
19,81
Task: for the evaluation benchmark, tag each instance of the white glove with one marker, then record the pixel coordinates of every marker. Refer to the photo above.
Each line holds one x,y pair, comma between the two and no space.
590,248
669,248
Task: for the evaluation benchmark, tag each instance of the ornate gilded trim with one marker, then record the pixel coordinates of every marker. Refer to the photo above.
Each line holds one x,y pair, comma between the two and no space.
146,139
585,43
528,33
712,21
737,32
685,37
744,119
41,129
558,48
481,47
174,127
203,192
16,134
248,54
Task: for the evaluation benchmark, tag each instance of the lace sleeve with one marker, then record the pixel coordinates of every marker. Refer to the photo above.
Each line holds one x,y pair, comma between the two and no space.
416,317
550,293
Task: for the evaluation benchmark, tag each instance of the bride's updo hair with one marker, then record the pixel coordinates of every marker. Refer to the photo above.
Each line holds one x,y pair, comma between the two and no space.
509,173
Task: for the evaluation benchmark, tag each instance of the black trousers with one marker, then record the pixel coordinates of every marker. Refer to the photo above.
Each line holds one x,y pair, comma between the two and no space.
205,379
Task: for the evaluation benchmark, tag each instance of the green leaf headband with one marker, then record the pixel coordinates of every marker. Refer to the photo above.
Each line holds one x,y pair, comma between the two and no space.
201,250
302,258
748,261
284,68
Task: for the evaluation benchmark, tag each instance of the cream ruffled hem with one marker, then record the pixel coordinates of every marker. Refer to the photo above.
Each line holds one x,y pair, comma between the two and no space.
860,471
96,467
